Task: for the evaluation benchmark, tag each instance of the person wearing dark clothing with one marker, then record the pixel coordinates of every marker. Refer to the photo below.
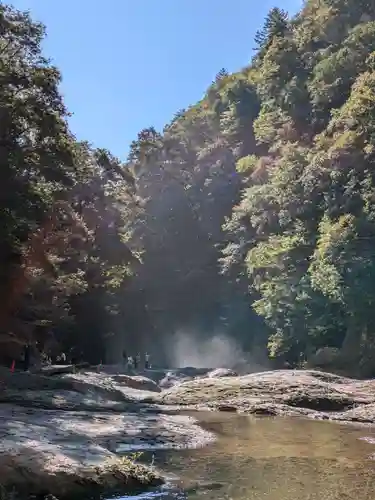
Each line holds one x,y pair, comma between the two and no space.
147,361
124,357
26,357
137,360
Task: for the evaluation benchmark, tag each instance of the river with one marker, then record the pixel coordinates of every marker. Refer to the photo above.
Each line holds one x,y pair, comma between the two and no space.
271,459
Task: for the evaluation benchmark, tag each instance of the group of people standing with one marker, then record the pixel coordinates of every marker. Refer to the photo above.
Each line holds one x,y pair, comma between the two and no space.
134,362
30,351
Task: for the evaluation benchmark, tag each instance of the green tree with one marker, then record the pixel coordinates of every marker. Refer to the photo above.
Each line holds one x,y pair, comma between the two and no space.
276,24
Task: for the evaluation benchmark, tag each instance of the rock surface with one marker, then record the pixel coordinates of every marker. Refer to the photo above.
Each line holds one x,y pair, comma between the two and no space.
137,382
171,379
281,392
67,440
222,372
60,435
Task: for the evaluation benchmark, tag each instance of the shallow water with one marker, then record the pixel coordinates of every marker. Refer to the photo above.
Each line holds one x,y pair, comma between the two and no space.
272,459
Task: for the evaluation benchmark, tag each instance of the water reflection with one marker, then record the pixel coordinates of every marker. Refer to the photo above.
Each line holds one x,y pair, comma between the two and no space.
164,494
273,459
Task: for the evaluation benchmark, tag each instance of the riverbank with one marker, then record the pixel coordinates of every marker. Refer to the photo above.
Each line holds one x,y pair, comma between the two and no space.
63,434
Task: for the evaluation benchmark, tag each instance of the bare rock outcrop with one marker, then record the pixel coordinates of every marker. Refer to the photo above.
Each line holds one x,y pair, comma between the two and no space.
61,436
137,382
280,392
222,372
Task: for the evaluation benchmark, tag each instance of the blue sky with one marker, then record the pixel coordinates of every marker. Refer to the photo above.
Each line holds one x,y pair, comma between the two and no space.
130,64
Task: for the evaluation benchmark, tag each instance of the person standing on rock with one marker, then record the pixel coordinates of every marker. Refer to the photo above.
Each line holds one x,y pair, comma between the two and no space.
137,361
124,357
26,357
130,363
147,361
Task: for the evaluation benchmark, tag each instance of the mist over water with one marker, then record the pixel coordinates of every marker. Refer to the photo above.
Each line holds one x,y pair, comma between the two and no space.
187,348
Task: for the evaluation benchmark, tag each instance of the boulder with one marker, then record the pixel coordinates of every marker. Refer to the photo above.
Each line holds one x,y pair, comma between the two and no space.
168,381
222,372
137,382
173,378
191,371
57,369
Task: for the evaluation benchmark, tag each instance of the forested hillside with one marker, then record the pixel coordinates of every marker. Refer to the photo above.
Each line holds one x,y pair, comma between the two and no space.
66,210
251,214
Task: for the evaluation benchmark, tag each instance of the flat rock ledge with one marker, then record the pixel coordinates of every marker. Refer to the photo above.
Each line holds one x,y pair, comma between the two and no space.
63,435
301,393
75,453
28,474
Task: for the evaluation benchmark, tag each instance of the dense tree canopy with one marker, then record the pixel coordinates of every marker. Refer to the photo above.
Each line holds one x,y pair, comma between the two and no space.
66,209
308,220
251,213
